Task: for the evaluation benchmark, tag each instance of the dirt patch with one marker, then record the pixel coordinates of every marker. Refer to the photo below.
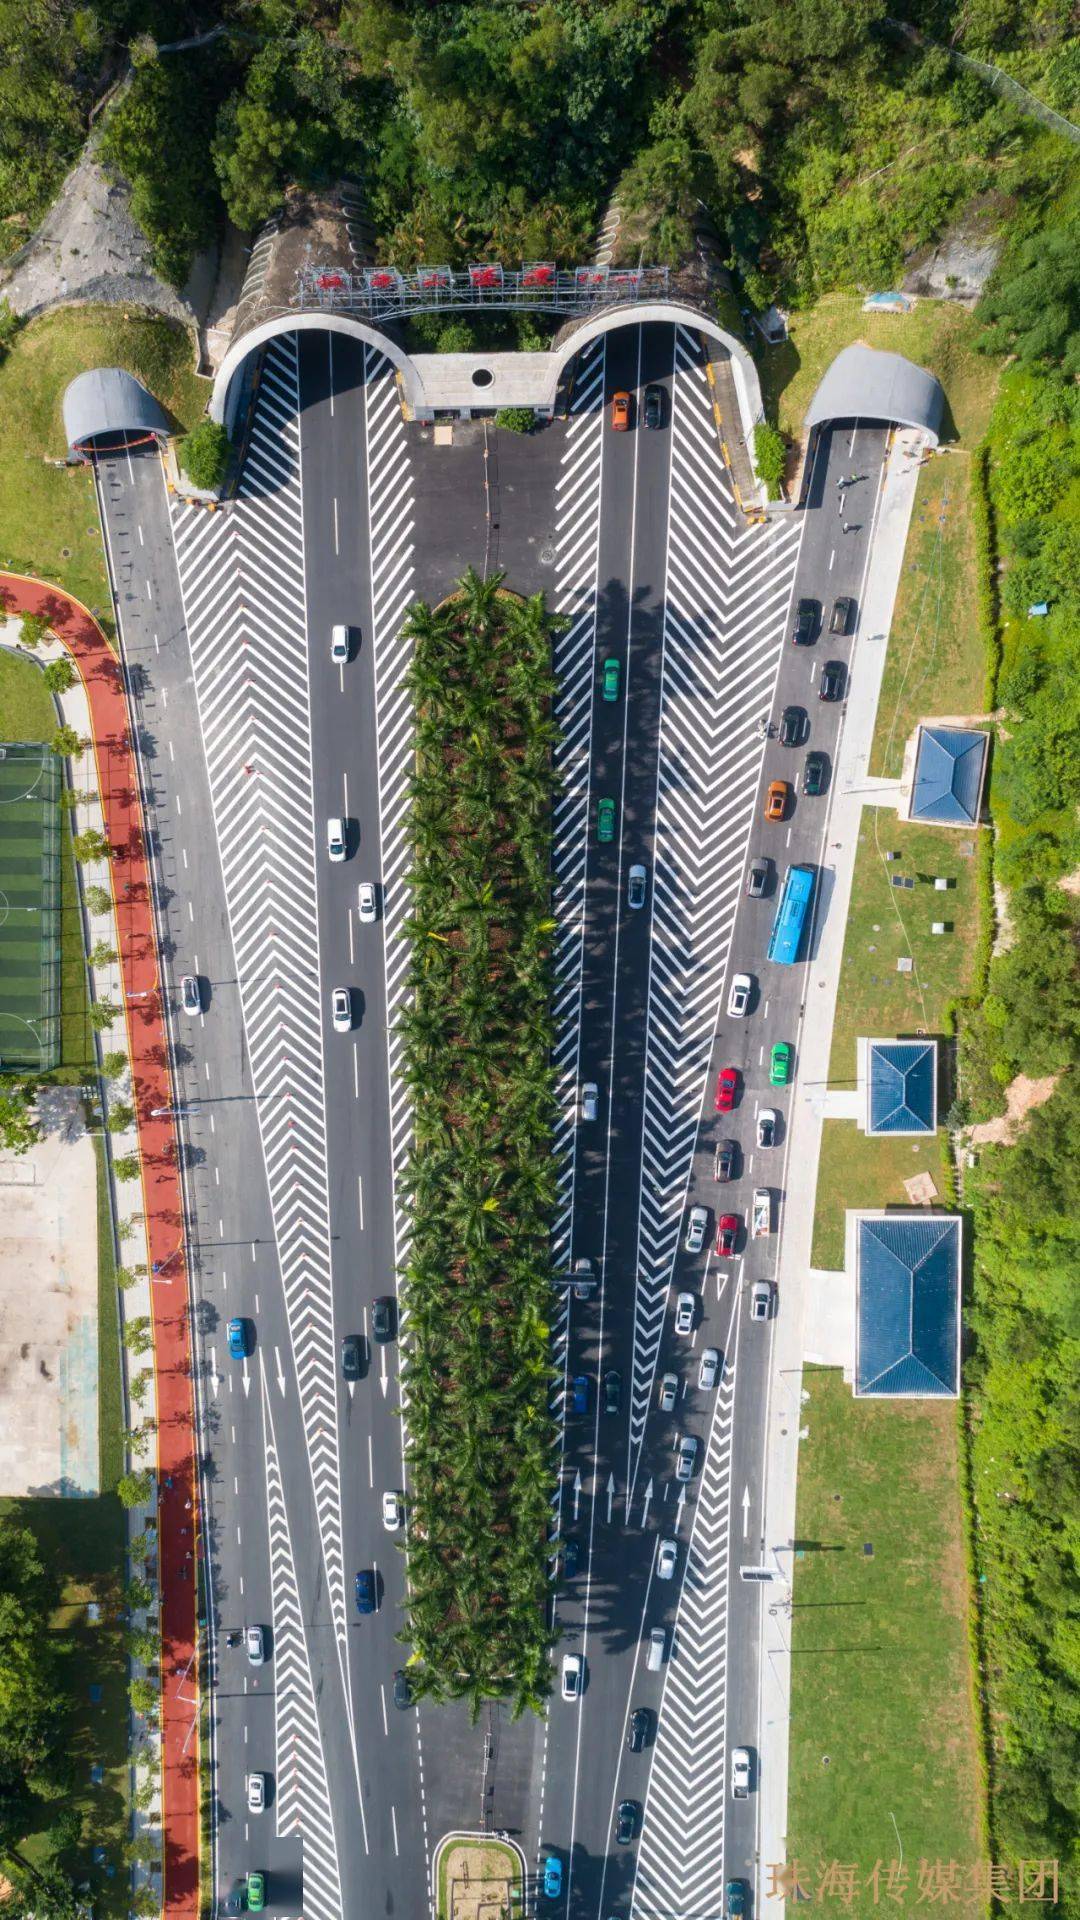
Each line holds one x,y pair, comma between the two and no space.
1071,883
476,1878
1021,1097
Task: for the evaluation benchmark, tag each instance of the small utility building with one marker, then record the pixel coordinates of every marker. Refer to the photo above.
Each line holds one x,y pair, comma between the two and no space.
897,1081
907,1304
950,765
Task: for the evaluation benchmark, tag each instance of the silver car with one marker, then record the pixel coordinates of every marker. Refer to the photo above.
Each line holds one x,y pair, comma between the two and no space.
686,1458
708,1369
255,1645
341,1009
667,1557
696,1228
590,1100
685,1307
760,1300
739,997
669,1387
635,887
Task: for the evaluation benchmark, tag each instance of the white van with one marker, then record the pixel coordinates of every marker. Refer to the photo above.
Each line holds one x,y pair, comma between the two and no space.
339,643
654,1658
335,838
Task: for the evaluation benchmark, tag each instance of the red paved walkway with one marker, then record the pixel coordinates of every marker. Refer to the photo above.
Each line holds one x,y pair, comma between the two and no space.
178,1504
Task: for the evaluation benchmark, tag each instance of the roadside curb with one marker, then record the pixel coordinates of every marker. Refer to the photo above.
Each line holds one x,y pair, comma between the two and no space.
120,796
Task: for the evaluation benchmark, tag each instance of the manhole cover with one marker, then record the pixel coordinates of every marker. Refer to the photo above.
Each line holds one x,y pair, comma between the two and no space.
547,554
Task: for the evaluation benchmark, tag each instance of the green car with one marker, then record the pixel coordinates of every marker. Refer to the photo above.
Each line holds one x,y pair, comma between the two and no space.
256,1892
780,1064
605,821
611,678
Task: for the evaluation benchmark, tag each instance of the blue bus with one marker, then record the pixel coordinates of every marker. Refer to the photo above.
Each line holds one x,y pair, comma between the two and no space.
787,932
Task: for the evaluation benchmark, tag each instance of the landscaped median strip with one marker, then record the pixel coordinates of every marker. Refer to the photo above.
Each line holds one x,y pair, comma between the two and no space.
118,786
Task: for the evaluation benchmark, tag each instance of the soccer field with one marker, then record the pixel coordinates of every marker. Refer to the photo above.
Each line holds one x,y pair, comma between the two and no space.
29,907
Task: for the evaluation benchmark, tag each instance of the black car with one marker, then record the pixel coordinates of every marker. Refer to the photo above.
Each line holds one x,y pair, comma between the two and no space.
727,1152
757,878
364,1589
612,1391
735,1899
352,1356
382,1318
793,727
402,1689
570,1558
840,617
833,678
654,406
626,1825
805,627
814,775
637,1733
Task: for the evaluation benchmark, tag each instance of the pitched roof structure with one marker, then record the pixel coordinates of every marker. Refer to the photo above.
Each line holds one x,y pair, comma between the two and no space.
908,1305
947,788
901,1093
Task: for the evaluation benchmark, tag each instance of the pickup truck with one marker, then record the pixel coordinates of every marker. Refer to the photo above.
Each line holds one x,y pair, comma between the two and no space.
761,1215
740,1773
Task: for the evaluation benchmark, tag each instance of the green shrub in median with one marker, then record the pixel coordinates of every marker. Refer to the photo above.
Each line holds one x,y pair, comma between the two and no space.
516,419
204,455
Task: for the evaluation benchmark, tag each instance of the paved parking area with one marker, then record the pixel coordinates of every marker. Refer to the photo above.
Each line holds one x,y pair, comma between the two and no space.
48,1320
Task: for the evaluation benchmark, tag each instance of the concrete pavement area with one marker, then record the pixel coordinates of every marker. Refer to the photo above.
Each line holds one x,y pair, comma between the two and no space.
797,1320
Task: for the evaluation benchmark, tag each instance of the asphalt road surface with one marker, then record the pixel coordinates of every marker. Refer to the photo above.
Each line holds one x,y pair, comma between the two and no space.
252,740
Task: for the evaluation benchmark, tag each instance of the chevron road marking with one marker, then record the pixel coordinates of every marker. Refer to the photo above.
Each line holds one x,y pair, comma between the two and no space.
302,1801
680,1864
243,587
727,594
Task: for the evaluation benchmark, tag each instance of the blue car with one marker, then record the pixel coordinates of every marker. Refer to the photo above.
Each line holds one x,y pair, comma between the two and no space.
365,1592
237,1334
552,1876
579,1393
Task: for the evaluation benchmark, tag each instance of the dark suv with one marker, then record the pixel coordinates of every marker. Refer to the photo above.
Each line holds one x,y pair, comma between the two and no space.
840,618
805,627
831,684
382,1318
637,1733
793,727
654,407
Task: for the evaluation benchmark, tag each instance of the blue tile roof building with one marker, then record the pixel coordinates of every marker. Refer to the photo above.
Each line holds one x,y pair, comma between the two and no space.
947,789
901,1086
908,1305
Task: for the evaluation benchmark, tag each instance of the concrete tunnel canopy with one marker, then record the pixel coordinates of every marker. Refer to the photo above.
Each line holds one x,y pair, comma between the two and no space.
866,384
107,408
447,382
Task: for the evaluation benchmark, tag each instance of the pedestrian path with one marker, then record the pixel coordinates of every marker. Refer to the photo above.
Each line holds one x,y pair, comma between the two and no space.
243,586
728,593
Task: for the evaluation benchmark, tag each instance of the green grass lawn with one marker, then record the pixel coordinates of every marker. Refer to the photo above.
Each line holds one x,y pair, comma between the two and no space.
856,1171
938,335
936,661
885,924
882,1714
48,515
27,713
84,1540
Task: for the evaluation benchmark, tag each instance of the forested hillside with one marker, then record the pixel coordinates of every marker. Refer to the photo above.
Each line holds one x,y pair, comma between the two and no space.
824,145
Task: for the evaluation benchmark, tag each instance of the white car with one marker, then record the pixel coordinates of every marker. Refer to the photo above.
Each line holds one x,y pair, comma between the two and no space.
767,1122
685,1307
335,838
738,999
573,1673
255,1788
590,1100
740,1773
391,1511
696,1228
369,903
669,1387
667,1555
708,1369
341,1009
191,993
339,643
255,1645
635,887
584,1278
760,1300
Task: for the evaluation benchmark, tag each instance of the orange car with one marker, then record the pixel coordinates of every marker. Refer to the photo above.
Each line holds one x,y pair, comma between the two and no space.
620,411
776,799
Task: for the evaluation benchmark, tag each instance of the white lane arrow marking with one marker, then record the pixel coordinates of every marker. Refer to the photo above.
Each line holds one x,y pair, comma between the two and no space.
679,1505
247,1380
352,1388
215,1380
745,1512
645,1508
610,1494
383,1381
577,1492
280,1372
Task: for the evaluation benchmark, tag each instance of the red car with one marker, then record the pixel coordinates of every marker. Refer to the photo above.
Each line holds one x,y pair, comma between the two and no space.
726,1083
727,1232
